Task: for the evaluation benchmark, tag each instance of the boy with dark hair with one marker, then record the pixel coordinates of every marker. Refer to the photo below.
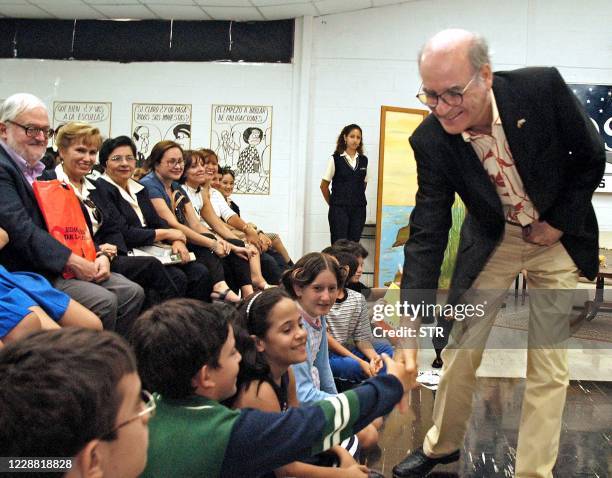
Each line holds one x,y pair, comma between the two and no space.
360,253
186,352
74,394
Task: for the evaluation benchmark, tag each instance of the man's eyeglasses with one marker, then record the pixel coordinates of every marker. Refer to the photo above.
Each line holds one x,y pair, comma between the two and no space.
119,159
148,408
450,97
33,131
175,162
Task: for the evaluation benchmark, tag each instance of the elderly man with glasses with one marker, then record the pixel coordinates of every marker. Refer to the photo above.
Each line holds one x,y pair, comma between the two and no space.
24,132
525,159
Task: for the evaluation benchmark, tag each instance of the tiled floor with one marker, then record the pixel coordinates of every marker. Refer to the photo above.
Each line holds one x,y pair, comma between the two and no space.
490,444
489,448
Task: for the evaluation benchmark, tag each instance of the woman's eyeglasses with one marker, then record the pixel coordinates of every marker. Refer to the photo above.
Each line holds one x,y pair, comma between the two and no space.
119,159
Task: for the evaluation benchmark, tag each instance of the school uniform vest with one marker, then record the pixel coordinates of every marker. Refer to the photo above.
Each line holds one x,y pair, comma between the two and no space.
348,184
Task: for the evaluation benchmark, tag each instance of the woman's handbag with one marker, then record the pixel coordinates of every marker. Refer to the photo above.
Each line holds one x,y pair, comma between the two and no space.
65,220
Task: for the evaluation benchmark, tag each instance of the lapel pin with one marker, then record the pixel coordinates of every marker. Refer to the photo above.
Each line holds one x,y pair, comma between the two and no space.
521,122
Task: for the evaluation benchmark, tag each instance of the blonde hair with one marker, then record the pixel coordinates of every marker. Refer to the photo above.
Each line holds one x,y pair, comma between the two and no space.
74,131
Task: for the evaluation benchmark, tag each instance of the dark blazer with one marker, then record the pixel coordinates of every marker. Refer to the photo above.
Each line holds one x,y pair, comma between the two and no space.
109,230
558,154
129,224
31,247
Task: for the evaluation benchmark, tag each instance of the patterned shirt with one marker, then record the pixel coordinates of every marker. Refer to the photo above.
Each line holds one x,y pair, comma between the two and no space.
495,155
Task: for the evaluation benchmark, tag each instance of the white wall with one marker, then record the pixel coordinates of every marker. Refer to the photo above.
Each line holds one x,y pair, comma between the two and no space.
200,84
366,59
346,67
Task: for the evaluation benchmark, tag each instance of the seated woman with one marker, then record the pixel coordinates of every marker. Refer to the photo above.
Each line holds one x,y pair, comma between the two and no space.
271,240
272,269
78,145
196,183
166,166
138,222
29,303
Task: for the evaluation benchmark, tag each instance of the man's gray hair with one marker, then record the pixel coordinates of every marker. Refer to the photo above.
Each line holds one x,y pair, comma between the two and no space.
479,52
18,103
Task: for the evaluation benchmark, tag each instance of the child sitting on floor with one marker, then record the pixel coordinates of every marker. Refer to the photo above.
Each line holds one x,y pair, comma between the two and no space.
271,338
186,353
356,249
353,354
73,397
313,283
28,302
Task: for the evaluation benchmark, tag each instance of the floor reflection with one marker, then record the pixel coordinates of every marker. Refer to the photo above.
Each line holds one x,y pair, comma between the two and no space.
490,445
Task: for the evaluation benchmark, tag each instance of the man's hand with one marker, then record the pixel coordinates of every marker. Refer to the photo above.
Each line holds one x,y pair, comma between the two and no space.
179,247
102,266
541,233
82,268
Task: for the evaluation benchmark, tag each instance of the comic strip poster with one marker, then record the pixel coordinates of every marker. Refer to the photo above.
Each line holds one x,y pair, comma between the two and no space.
241,135
94,113
154,122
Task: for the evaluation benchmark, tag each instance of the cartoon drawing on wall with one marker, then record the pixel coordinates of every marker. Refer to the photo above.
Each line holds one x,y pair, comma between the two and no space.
95,113
182,135
154,122
241,135
141,138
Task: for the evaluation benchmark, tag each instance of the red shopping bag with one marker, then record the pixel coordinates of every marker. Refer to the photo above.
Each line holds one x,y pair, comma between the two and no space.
64,217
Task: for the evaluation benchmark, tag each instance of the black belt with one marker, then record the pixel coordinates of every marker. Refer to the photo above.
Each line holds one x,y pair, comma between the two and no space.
526,229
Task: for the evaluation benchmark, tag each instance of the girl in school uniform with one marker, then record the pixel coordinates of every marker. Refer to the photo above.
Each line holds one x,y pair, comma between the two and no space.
347,172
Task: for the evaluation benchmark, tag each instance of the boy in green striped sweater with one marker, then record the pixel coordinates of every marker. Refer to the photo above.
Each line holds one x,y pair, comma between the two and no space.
186,354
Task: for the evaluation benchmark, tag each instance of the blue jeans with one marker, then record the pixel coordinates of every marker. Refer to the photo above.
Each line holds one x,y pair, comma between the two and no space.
347,368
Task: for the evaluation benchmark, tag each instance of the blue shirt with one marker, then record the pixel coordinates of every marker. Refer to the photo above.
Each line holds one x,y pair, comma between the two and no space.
316,368
156,188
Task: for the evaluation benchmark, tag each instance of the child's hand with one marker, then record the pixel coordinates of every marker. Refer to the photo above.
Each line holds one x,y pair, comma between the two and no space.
365,367
404,372
344,457
376,364
4,238
355,471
